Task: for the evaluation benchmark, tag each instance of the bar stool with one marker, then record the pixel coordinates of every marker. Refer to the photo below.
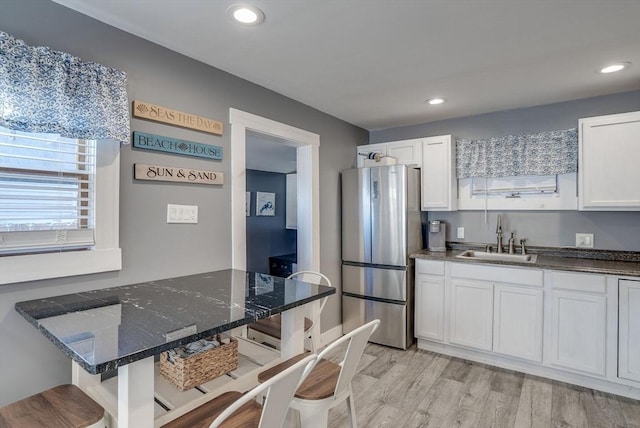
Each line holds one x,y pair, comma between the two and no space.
62,406
268,329
328,384
234,409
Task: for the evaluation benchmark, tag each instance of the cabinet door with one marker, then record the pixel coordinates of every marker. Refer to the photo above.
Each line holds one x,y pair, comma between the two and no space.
429,310
518,322
629,330
578,331
471,314
408,152
608,172
439,185
291,220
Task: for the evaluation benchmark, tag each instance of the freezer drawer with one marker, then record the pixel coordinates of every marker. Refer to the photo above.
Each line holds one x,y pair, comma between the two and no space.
375,282
393,320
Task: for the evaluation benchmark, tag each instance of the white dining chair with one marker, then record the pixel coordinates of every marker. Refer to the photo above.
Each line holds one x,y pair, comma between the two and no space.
234,409
329,383
267,330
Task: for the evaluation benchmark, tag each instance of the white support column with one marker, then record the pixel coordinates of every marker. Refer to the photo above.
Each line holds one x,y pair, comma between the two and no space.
135,394
292,330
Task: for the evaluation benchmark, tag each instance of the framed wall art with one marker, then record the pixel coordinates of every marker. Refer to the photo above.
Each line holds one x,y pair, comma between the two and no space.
265,204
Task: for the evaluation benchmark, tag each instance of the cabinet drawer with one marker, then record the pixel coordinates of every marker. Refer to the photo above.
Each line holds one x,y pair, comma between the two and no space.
521,276
429,267
588,282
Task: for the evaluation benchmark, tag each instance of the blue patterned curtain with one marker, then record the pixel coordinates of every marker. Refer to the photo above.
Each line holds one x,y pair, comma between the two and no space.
46,91
546,153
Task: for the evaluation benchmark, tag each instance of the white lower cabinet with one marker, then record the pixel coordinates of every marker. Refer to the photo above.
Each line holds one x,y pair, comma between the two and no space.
430,295
629,330
517,325
578,336
578,332
581,328
471,322
429,320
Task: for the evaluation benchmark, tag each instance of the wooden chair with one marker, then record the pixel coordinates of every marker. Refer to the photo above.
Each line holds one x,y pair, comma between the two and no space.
234,409
328,384
62,406
268,329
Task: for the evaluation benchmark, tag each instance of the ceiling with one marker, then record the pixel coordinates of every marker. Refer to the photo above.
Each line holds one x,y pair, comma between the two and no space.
373,63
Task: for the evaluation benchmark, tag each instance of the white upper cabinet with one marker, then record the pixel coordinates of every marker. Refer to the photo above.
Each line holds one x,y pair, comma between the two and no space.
439,185
406,152
609,163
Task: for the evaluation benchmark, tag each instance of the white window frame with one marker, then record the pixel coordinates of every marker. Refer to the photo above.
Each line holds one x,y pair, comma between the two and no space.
105,256
565,198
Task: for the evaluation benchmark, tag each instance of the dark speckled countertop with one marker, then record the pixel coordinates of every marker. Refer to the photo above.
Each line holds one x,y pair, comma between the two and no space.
104,329
622,263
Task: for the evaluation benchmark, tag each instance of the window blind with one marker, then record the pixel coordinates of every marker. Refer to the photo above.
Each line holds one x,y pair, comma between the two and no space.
47,192
525,184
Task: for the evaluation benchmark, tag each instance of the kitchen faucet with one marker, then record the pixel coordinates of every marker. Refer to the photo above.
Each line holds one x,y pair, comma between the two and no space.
499,233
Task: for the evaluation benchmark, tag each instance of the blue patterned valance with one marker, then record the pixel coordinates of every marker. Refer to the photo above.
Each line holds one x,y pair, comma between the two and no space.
46,91
546,153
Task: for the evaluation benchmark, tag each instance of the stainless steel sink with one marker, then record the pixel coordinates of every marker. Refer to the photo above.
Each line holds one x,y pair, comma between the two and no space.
502,257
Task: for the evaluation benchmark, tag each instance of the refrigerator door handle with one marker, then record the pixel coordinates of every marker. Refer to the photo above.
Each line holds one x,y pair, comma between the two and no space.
375,189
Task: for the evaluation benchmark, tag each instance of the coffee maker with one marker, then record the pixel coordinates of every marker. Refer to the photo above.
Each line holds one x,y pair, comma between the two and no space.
437,235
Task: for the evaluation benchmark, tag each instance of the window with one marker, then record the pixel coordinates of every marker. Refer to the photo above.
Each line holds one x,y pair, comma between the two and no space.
58,206
47,192
514,187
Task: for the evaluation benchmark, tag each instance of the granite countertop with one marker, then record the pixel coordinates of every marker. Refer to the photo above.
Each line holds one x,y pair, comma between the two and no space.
623,263
104,329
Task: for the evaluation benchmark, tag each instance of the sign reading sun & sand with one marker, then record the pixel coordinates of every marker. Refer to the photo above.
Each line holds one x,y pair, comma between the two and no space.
175,174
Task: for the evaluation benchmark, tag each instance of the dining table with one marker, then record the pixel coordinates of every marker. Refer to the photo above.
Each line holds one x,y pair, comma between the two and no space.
123,329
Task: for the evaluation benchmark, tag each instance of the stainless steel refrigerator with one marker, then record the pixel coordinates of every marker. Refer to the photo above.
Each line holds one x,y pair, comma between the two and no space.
380,229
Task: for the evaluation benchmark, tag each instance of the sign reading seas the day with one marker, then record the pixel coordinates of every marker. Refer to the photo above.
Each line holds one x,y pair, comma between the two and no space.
178,175
146,141
175,117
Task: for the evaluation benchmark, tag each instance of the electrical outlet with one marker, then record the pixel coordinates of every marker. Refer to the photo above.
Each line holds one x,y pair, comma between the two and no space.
460,233
584,240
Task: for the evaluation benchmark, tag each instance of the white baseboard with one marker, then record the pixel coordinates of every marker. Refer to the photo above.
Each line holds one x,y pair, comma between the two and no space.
532,369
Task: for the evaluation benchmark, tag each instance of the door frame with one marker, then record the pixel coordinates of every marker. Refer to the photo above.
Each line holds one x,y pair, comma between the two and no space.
307,146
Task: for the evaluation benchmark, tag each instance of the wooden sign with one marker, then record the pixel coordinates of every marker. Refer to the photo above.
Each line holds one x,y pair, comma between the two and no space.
175,117
178,175
159,143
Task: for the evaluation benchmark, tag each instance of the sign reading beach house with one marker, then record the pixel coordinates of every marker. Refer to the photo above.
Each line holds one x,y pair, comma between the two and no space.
175,117
178,175
159,143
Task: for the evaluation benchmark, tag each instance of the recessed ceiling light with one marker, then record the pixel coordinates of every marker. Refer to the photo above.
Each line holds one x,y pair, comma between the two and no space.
435,100
246,14
615,67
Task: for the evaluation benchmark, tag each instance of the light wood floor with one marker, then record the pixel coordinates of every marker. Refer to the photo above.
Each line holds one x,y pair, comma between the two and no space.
416,388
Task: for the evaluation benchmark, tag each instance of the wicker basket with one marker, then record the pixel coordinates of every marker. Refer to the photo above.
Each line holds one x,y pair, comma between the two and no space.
185,373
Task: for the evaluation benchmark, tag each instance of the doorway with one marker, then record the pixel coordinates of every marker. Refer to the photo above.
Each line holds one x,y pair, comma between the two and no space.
307,166
271,202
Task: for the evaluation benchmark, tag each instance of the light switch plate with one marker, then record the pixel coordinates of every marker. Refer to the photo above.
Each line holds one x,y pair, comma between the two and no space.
182,213
460,233
584,240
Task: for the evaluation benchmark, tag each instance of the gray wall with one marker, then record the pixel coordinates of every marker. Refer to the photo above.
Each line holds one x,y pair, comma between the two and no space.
267,236
612,230
151,248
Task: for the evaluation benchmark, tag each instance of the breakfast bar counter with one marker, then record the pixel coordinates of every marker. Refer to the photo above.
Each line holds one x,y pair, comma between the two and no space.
125,327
